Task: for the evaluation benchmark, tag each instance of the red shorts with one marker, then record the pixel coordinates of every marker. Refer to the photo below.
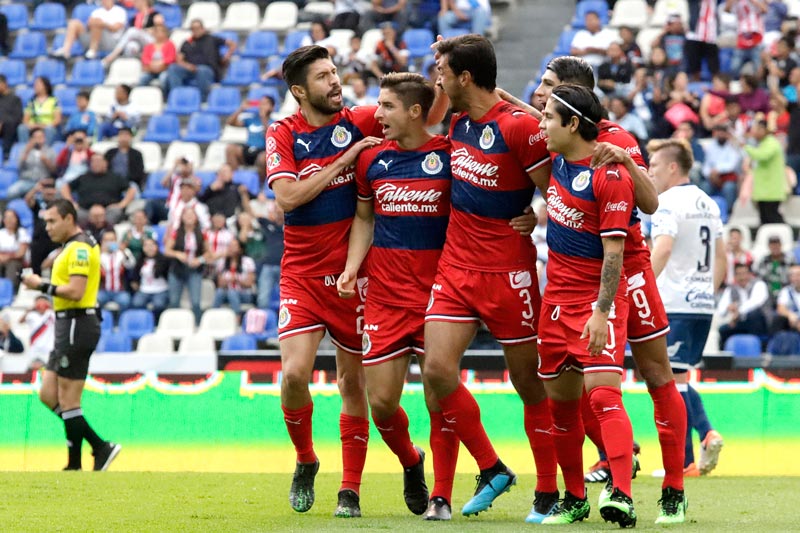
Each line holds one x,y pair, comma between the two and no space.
507,302
561,347
313,304
647,318
391,332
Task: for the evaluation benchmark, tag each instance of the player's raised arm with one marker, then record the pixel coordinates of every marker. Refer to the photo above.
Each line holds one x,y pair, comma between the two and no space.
361,233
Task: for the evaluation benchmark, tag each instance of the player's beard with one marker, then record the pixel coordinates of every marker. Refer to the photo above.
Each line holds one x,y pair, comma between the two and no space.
322,104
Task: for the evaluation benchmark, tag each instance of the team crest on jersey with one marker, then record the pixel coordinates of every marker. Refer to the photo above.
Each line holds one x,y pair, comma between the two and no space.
432,164
487,138
274,161
701,205
341,137
581,181
284,317
366,343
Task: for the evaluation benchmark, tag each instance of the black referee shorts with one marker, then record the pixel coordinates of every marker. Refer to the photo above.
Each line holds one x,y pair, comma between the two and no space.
76,339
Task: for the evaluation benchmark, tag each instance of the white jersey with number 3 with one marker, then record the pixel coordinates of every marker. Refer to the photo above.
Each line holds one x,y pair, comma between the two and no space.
692,219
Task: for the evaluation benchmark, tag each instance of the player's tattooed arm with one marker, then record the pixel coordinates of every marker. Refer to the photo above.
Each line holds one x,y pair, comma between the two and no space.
613,248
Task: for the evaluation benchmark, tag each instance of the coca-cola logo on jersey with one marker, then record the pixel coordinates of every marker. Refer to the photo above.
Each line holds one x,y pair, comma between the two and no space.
560,212
406,199
466,167
616,207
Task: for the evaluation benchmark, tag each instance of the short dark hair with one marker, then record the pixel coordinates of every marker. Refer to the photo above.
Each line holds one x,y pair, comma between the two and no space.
572,69
584,104
125,87
474,54
270,98
64,207
83,94
737,266
411,89
3,79
734,230
295,66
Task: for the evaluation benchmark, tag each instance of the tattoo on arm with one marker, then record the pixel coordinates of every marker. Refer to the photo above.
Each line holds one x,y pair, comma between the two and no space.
609,280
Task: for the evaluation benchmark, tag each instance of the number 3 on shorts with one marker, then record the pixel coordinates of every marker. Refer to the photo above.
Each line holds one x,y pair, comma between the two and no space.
525,294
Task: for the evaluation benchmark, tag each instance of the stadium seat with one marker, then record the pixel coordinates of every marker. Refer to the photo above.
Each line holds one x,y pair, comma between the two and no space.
223,100
293,40
153,190
25,94
25,298
101,99
127,70
82,12
207,177
371,38
233,134
176,323
218,323
242,72
248,178
418,42
255,93
564,42
23,212
154,343
58,42
239,343
273,64
454,32
183,100
228,36
7,178
340,39
743,345
178,149
543,65
584,6
136,322
66,97
87,73
214,157
29,45
48,17
14,70
242,16
163,128
784,343
151,153
6,292
260,45
663,8
111,342
280,17
160,230
106,320
52,69
12,163
16,15
631,13
765,231
148,100
315,10
178,37
202,128
197,344
172,15
208,12
722,203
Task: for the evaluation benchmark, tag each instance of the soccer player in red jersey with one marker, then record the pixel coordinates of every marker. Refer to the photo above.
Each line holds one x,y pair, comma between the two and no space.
647,322
487,270
588,211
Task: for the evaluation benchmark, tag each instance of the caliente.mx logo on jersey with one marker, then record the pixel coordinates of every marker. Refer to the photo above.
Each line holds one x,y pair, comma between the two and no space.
341,137
432,164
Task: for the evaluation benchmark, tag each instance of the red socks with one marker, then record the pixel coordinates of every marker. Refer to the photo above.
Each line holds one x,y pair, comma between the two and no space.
461,408
298,423
538,425
617,434
444,448
394,431
670,416
591,425
354,431
568,441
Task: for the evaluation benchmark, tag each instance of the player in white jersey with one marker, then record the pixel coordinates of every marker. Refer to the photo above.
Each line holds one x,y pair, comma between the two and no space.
689,262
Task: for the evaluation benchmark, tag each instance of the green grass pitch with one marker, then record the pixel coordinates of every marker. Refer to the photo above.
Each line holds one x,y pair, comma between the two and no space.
208,502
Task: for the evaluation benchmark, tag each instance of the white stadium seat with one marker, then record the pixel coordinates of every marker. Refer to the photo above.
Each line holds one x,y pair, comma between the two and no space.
233,134
208,12
101,99
127,70
280,17
176,323
629,13
215,156
218,323
103,146
178,149
151,153
155,343
148,100
241,16
761,243
319,9
197,344
178,37
664,8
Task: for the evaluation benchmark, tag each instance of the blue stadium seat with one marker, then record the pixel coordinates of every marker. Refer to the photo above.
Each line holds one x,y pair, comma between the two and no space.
114,343
228,36
183,100
275,298
240,342
160,230
136,322
207,177
724,209
48,17
242,72
528,91
23,212
77,48
292,41
14,71
418,42
87,73
107,324
163,129
784,343
29,45
7,178
6,292
17,15
744,345
257,92
273,64
172,15
454,32
12,163
82,12
202,128
584,6
248,178
564,44
268,192
543,65
66,97
223,100
25,94
52,69
260,45
153,189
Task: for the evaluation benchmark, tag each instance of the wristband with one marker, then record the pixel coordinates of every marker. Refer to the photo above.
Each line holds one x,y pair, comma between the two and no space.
47,288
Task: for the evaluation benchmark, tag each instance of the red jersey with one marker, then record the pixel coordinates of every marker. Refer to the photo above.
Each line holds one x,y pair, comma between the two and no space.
316,234
583,206
490,161
410,191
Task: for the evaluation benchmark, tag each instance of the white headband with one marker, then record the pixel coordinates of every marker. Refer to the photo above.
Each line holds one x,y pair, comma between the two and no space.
572,108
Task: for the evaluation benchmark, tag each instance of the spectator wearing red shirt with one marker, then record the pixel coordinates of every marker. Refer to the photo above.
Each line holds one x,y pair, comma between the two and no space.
157,56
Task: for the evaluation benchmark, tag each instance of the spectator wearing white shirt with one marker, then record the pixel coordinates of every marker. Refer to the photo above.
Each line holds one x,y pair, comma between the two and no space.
14,241
114,264
219,238
187,198
236,282
101,32
592,43
123,114
788,303
723,165
741,307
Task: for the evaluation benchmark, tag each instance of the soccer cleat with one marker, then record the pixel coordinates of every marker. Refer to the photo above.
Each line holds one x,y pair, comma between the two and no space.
438,509
106,455
544,505
491,484
301,494
349,505
691,471
636,467
619,509
72,468
709,452
673,506
415,491
569,510
598,473
608,488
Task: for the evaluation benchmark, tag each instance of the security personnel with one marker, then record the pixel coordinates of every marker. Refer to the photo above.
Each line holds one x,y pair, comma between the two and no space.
74,283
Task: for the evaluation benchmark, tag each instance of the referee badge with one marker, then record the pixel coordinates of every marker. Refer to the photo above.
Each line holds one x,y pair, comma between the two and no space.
284,317
487,138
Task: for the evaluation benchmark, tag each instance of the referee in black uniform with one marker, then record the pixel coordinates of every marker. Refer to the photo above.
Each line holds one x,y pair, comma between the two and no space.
74,283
